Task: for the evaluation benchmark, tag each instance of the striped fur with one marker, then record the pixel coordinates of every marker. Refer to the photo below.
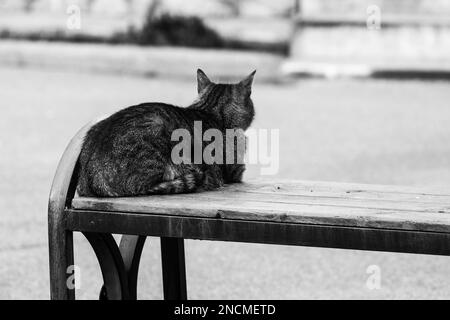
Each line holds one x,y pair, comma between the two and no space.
129,153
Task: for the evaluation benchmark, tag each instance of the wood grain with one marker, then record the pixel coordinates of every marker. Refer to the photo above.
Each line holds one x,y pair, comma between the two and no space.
325,203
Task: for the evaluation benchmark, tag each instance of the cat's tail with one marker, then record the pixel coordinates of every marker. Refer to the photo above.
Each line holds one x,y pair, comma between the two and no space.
184,184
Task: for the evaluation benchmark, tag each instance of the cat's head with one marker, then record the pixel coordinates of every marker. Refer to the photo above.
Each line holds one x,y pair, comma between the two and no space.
230,102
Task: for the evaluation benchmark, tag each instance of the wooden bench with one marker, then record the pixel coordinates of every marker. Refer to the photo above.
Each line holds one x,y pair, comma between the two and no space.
318,214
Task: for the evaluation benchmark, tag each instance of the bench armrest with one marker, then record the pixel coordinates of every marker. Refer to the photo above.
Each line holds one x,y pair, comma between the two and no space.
65,179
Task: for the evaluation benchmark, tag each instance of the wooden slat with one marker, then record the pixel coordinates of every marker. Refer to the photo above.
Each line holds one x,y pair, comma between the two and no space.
317,200
333,188
389,207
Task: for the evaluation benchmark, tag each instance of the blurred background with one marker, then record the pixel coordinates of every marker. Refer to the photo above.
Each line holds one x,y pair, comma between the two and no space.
359,90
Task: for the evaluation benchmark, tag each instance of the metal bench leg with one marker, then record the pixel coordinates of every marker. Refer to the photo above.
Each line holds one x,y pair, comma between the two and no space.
111,265
131,250
173,269
61,258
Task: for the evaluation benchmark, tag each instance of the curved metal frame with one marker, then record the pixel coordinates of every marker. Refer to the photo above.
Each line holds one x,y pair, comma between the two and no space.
111,265
129,255
119,265
131,250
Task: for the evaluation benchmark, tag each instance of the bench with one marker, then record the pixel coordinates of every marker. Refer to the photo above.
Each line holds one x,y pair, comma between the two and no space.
318,214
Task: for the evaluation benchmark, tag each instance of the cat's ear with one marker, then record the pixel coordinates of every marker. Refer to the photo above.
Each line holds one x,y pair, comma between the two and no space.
202,80
247,82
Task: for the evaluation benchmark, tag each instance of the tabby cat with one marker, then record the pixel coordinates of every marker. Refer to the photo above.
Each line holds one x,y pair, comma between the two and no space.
129,153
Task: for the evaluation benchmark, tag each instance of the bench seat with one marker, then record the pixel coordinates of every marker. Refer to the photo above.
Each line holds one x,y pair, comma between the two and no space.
322,203
304,213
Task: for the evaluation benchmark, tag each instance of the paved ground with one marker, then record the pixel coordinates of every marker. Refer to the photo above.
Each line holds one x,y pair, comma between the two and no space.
357,131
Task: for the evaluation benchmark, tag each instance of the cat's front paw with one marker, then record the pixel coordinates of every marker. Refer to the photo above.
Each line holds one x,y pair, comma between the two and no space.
234,173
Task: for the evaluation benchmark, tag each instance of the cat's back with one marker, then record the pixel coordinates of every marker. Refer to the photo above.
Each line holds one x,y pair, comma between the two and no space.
137,116
143,118
117,141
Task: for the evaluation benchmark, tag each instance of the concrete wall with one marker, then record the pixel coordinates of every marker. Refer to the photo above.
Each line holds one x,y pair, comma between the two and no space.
345,7
224,8
352,44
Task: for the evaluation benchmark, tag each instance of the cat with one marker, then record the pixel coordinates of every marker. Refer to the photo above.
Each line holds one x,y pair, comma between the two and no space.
129,153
